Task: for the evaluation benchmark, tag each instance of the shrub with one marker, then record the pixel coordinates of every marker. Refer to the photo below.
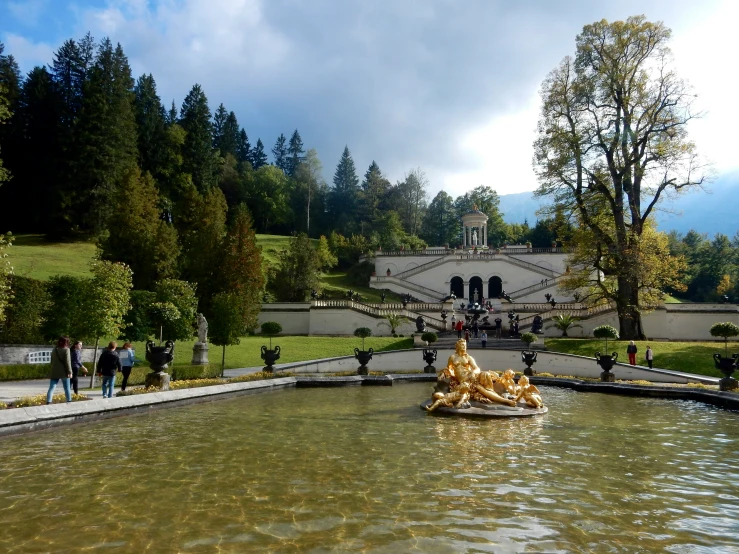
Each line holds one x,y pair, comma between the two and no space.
726,330
359,274
429,337
363,333
3,406
605,332
24,314
271,328
529,337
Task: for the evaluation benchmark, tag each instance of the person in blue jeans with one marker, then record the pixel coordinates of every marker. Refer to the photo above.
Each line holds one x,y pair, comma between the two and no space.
108,364
61,368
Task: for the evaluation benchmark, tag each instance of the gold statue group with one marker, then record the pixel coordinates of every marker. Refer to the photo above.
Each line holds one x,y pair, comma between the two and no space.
468,382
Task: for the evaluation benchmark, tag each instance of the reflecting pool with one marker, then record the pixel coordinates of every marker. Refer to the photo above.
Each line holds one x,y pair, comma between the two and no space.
363,469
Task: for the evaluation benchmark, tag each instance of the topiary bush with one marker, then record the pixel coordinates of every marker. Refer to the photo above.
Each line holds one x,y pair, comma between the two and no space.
271,328
429,337
363,333
726,330
605,332
529,337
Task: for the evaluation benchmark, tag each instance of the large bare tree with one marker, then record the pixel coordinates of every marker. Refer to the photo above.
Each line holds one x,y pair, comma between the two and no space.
613,126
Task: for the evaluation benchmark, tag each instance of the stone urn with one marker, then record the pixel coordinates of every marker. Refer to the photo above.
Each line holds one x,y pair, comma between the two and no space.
270,357
429,357
606,362
529,358
363,356
726,365
159,357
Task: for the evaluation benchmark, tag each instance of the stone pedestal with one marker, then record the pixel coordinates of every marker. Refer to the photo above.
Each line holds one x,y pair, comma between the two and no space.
159,380
200,353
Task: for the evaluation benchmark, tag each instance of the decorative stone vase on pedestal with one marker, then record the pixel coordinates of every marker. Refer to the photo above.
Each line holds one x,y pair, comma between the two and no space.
727,366
270,357
606,362
529,358
429,357
363,356
158,358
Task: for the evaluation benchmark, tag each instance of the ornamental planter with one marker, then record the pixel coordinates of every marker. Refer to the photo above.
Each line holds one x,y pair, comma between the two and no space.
270,357
158,358
529,358
727,366
429,357
363,356
606,362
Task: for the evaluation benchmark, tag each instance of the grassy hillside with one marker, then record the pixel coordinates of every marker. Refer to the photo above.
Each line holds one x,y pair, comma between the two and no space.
34,256
690,357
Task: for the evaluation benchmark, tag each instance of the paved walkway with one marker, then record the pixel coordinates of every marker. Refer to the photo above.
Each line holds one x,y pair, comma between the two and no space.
10,390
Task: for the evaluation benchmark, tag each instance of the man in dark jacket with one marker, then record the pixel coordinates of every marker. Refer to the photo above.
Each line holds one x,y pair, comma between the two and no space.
108,364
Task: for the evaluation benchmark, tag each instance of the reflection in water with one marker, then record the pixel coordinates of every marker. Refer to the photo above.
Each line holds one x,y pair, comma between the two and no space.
364,469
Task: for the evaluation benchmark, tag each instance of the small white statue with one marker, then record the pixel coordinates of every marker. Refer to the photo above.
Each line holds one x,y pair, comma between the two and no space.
474,237
202,329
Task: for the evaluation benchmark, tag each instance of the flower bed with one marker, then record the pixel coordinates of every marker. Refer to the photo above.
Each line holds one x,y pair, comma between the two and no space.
193,383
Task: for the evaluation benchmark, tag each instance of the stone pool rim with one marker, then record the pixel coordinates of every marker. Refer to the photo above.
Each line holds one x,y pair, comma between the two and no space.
16,421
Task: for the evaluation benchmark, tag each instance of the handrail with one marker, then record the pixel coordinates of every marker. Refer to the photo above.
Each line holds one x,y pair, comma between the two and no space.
440,251
532,267
382,312
533,288
423,267
567,309
410,285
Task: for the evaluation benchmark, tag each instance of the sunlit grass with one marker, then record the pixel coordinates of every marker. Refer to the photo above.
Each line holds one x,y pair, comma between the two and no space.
34,256
689,357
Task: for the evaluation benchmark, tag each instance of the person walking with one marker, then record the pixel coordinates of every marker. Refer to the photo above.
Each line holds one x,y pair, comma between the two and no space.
631,351
460,325
498,328
77,365
128,358
108,364
475,328
454,323
467,336
649,356
61,368
484,339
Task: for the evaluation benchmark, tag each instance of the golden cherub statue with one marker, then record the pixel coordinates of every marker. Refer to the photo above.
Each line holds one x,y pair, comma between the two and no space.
529,393
468,382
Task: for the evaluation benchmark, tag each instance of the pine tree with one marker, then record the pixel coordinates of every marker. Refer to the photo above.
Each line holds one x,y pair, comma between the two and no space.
343,202
243,149
374,188
219,124
279,151
230,139
295,153
197,151
151,121
172,114
140,238
106,138
241,267
258,157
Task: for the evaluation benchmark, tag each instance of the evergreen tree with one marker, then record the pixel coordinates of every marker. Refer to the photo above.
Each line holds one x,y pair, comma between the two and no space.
343,201
279,151
295,153
258,157
441,223
268,197
197,151
172,114
243,148
219,125
229,143
140,238
241,268
374,188
106,139
151,121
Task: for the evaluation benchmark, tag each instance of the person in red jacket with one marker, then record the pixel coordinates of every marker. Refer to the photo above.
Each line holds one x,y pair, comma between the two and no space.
460,325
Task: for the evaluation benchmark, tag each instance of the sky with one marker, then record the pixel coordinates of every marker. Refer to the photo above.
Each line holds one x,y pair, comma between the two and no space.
447,86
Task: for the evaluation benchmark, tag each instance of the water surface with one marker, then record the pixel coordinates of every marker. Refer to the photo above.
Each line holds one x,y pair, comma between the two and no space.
363,469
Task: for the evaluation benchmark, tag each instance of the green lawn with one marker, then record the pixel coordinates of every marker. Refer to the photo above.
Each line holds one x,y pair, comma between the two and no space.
690,357
271,246
33,256
294,349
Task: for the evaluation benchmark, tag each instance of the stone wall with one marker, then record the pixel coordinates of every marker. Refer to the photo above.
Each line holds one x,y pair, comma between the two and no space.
496,359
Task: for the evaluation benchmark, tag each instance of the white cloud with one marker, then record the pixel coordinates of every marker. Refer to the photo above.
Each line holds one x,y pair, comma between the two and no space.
27,53
27,11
